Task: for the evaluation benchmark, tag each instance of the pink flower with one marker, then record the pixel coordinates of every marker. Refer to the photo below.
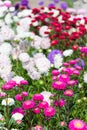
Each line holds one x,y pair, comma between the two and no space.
59,85
38,97
71,82
28,104
68,93
18,97
62,123
11,82
62,102
7,86
76,72
38,127
2,94
64,77
36,110
56,103
55,72
77,124
23,82
18,110
66,64
72,62
25,94
49,111
43,104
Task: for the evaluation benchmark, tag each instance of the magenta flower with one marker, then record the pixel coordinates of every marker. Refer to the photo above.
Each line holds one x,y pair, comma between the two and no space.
25,94
68,92
72,82
38,127
11,82
23,82
59,85
62,102
43,105
18,110
7,86
77,124
38,97
64,77
55,72
18,97
36,110
28,104
49,111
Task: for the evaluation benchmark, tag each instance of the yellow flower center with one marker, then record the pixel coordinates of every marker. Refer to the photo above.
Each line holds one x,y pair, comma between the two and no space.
78,125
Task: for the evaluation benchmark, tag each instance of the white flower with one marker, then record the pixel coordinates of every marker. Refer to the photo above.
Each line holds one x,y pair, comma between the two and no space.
24,57
42,31
55,12
45,43
17,79
8,102
1,116
17,116
68,52
3,128
47,96
12,9
58,61
5,48
36,42
7,33
72,30
85,77
8,19
43,64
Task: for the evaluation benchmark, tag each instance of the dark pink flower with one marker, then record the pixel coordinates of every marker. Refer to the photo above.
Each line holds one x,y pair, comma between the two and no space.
23,82
18,97
38,97
59,85
55,72
18,110
36,110
64,77
43,104
28,104
49,111
62,102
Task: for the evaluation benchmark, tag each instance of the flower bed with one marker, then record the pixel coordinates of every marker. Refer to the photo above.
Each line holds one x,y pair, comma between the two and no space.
43,69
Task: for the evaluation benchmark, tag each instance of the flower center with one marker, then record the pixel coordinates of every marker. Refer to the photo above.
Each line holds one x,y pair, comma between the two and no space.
78,125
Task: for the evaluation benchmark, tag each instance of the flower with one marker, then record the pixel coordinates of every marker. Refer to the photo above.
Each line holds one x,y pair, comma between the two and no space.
64,77
36,110
59,85
85,77
24,57
43,105
63,5
28,104
18,97
68,52
52,54
17,116
49,111
61,102
38,127
68,93
77,124
47,96
18,110
38,97
8,102
58,61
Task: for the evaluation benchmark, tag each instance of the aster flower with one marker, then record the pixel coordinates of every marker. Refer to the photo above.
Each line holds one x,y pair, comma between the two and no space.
59,85
68,52
77,124
52,54
63,5
68,92
49,111
8,102
28,104
17,116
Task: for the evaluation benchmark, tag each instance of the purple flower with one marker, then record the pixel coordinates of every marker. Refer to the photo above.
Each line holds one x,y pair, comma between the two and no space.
17,6
80,62
24,2
51,5
41,2
52,54
55,1
63,5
